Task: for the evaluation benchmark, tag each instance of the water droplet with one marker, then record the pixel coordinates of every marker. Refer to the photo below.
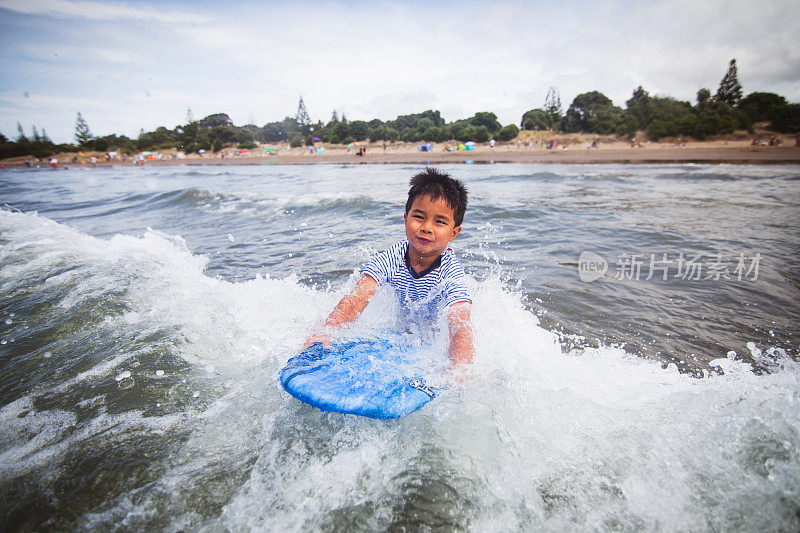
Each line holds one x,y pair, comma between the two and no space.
159,373
123,375
9,321
230,238
195,394
47,355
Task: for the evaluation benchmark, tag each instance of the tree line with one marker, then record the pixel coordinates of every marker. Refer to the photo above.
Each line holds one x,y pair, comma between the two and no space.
590,112
664,116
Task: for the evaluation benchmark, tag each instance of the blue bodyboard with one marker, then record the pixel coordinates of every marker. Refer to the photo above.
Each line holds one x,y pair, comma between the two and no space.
372,378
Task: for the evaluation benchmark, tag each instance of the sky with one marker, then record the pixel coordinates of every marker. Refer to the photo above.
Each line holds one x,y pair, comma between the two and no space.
131,65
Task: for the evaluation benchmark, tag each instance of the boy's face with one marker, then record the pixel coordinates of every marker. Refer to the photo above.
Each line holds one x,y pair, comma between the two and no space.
430,226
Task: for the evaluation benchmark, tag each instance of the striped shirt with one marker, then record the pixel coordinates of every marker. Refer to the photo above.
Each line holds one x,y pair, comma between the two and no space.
421,295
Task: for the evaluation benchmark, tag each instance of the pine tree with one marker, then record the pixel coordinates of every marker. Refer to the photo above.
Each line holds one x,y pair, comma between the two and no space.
36,134
189,115
730,90
21,138
45,138
302,118
552,105
82,133
334,117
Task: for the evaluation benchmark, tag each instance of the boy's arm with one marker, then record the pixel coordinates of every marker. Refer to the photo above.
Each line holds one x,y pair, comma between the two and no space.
458,320
347,310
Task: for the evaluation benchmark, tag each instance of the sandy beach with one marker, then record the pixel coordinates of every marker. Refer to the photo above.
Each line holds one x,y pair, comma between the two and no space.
578,151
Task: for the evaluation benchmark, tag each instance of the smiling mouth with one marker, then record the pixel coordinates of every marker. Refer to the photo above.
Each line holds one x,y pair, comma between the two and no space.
424,240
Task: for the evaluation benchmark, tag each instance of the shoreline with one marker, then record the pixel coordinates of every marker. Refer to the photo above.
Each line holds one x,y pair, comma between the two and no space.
701,153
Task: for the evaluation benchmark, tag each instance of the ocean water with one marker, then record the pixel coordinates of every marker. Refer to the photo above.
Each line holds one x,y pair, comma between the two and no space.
145,314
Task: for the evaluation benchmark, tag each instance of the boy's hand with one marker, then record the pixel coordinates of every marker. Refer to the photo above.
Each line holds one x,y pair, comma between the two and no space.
348,309
323,338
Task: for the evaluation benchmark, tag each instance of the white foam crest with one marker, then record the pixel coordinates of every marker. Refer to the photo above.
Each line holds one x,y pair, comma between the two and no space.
223,323
586,440
598,439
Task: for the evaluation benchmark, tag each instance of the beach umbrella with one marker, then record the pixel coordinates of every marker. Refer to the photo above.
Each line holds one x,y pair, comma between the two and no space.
316,139
201,151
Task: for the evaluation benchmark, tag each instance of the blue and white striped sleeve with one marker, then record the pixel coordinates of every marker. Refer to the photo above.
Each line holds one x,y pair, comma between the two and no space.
455,283
382,265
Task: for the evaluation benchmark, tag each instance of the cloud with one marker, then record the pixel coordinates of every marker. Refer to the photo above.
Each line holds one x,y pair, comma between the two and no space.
376,59
105,11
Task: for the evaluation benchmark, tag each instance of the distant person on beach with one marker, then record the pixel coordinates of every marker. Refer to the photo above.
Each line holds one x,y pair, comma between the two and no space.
422,270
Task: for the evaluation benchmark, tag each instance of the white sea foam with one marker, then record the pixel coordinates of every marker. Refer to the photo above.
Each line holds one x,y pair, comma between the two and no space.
591,439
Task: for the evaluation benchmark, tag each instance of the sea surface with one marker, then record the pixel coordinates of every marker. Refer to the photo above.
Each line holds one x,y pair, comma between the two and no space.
145,314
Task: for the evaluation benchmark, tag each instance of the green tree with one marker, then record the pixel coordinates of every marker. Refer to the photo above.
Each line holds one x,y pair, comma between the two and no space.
409,135
703,97
302,118
21,138
730,90
486,119
628,127
215,120
762,106
392,134
358,129
535,118
707,124
592,112
638,107
377,133
435,134
552,106
82,133
507,133
787,120
341,130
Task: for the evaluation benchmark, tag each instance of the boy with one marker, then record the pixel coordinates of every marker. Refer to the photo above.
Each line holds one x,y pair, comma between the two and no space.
422,269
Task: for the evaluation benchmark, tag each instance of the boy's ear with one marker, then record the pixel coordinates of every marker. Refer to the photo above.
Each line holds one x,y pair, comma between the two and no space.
456,231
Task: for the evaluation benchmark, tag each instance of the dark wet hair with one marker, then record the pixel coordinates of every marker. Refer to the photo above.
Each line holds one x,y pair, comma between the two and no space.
436,184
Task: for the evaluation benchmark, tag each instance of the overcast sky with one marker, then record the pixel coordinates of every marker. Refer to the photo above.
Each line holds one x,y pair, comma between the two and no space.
132,65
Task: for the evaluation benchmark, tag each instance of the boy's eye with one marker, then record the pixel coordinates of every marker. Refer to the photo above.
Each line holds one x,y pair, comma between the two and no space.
418,216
